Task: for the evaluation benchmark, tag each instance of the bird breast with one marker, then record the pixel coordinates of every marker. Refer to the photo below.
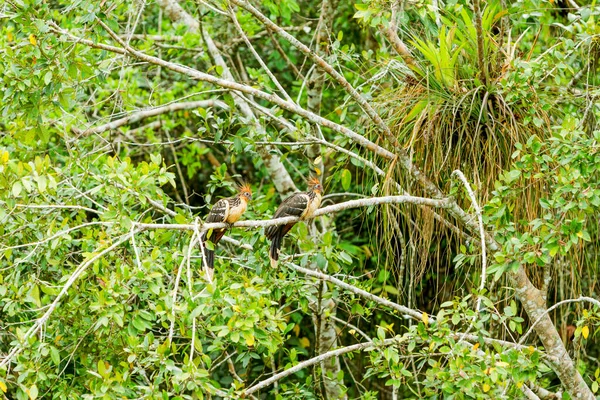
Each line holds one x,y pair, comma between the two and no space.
314,202
236,210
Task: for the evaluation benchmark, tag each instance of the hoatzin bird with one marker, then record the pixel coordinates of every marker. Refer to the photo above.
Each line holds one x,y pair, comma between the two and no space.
225,210
301,205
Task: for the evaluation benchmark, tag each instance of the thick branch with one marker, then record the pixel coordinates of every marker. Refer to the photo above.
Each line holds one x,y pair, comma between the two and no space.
367,202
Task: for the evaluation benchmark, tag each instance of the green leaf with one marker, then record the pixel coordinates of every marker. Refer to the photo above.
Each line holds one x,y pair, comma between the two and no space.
55,355
346,179
17,188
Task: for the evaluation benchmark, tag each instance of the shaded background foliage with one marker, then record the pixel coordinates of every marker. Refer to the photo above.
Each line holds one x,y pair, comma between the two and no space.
514,126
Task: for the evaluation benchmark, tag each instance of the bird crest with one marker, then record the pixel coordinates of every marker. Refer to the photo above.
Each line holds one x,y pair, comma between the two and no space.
245,190
313,181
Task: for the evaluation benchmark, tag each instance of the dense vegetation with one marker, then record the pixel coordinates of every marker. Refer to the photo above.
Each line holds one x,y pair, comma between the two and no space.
468,130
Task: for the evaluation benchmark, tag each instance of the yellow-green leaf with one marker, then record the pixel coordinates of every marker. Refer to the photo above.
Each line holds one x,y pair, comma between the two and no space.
346,179
32,39
249,339
304,342
585,332
425,318
486,388
33,392
3,386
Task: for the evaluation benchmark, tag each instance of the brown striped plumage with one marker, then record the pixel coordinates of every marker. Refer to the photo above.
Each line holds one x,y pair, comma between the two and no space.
301,205
225,210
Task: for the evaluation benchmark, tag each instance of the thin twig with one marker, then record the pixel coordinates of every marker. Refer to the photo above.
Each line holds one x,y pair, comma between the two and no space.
257,56
461,176
139,115
577,300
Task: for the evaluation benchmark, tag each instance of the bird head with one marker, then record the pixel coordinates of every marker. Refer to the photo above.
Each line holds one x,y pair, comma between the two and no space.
314,185
245,192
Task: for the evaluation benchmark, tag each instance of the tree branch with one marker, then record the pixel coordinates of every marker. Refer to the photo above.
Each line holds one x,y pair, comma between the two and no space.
465,182
363,293
391,34
279,175
76,274
560,303
195,74
362,102
367,202
137,116
316,360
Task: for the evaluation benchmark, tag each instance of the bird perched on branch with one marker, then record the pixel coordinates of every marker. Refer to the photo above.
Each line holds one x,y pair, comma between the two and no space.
225,210
302,205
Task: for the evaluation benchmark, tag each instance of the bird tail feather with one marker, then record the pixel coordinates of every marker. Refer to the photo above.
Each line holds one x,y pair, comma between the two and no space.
274,250
210,258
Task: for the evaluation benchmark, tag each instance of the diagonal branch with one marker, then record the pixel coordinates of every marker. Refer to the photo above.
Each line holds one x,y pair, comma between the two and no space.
202,76
361,101
391,34
153,112
315,360
363,293
39,323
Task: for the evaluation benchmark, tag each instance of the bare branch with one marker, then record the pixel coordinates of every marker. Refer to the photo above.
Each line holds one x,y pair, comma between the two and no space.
57,234
137,116
367,202
258,58
325,66
465,182
560,303
391,34
291,107
315,360
58,206
363,293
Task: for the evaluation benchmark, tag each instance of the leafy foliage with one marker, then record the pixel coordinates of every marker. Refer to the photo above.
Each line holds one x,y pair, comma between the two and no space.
141,320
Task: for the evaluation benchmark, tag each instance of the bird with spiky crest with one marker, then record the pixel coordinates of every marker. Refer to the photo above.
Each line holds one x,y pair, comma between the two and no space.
228,211
302,205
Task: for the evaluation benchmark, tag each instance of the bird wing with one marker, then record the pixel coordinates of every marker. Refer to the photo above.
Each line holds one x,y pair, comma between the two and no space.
218,212
293,206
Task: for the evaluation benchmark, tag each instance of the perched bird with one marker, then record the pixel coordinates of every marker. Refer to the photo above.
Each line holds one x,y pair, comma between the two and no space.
302,205
225,210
